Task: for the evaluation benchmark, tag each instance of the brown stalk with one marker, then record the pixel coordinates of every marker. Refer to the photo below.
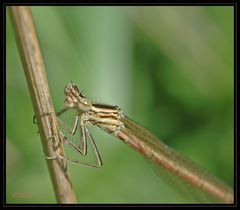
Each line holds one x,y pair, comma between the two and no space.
34,70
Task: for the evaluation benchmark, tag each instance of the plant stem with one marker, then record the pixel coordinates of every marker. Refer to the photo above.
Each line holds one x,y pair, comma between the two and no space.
37,82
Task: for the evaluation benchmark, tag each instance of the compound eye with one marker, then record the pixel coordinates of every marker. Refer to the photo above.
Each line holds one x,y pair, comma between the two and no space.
75,87
81,94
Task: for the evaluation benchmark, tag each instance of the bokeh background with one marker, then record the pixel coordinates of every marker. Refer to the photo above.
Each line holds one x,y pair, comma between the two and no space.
168,68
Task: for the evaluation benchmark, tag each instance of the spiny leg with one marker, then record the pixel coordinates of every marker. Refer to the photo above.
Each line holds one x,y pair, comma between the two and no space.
70,131
85,118
80,163
99,160
66,140
72,161
83,134
82,142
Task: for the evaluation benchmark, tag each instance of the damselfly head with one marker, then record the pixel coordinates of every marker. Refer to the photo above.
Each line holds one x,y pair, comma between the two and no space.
74,96
71,88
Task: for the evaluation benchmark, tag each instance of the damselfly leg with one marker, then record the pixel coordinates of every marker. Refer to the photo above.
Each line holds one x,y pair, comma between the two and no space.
80,125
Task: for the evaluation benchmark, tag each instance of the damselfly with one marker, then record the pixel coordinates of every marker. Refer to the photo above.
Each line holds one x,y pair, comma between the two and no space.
193,179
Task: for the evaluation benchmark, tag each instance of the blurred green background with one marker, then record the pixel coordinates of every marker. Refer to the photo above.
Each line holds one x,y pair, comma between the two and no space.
168,68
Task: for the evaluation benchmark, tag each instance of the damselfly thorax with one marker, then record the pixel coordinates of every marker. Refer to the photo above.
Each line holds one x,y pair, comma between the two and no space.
104,116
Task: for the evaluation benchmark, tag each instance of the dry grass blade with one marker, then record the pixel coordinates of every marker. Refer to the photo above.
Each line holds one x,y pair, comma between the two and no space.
37,82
